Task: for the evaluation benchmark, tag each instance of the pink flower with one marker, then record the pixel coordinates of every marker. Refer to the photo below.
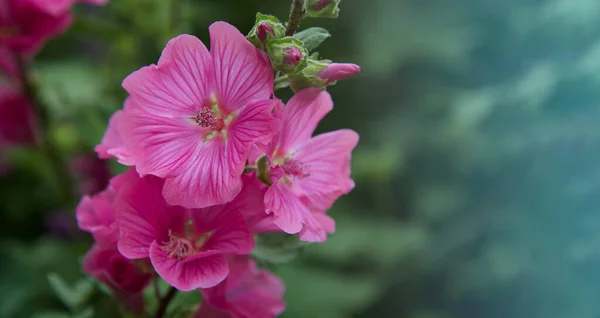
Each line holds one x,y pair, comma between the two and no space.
123,276
17,120
308,174
339,71
250,202
112,145
187,248
248,292
96,215
196,114
26,24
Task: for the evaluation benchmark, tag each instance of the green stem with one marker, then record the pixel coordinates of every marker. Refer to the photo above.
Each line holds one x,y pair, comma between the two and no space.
43,135
164,303
296,16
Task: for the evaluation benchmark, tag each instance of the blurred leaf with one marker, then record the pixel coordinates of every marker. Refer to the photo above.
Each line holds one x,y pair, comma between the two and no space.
277,247
312,37
72,297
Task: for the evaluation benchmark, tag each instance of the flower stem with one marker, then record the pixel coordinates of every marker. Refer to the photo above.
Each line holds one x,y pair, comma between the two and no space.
296,16
43,140
164,303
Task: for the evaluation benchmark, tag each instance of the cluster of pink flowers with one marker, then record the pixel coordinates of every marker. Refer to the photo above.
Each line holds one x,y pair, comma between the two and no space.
215,159
25,25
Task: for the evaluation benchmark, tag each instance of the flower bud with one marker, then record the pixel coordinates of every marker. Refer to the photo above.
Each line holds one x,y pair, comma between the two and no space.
308,77
338,71
265,29
323,8
287,55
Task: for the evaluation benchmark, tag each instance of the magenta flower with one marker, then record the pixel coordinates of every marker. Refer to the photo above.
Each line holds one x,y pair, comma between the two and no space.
187,248
26,24
17,119
339,71
248,292
250,202
196,114
112,145
308,174
123,276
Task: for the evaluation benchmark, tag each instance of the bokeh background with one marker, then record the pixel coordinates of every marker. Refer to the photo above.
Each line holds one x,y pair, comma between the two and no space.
477,172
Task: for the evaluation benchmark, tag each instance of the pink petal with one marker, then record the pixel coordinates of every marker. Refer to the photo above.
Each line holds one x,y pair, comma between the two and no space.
112,145
299,119
181,82
209,178
143,216
242,72
254,124
184,275
161,145
339,71
95,215
319,234
231,235
54,7
288,211
327,156
250,202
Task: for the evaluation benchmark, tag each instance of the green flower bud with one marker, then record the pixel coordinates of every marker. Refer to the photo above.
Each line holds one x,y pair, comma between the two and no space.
287,55
266,28
323,8
308,77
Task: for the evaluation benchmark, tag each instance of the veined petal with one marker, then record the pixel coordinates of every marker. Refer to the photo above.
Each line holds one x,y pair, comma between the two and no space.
242,72
319,234
231,236
300,118
288,211
143,216
161,145
254,124
181,82
112,145
184,275
208,179
328,157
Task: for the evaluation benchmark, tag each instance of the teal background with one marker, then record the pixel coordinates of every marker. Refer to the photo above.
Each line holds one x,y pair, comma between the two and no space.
477,171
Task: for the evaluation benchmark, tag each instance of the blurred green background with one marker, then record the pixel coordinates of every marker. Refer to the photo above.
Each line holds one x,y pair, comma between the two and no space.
477,172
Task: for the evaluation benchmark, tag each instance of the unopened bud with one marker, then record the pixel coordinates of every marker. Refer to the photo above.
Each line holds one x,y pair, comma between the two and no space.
323,8
266,28
338,71
262,30
308,77
287,55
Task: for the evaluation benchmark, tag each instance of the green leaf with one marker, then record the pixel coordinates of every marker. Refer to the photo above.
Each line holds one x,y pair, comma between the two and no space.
312,37
277,247
72,297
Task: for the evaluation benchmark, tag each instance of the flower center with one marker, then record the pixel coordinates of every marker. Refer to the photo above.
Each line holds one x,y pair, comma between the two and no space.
206,118
295,169
181,247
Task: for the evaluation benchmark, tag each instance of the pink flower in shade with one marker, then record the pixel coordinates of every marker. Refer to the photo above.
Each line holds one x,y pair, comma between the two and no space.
196,114
26,24
17,120
187,248
126,278
248,292
96,214
308,174
339,71
112,145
